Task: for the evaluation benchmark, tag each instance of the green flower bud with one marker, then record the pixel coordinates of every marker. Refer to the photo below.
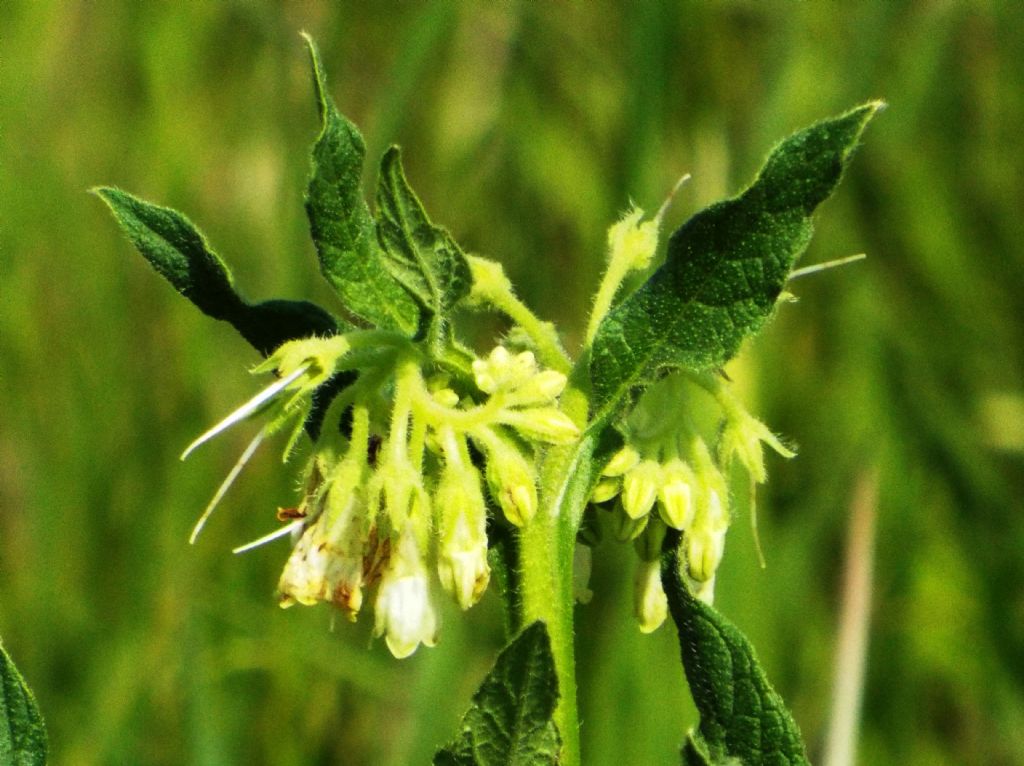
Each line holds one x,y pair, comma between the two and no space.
510,476
675,495
462,552
704,551
605,490
582,563
633,243
503,372
624,460
650,605
640,488
541,388
545,424
742,438
319,357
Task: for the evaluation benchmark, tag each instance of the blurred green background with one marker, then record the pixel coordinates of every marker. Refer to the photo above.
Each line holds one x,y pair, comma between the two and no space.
528,127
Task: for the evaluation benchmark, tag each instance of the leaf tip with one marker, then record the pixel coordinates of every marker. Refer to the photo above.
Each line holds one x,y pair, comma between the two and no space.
319,81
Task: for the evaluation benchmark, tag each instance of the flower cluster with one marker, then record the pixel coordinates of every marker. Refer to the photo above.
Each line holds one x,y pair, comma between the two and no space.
405,473
666,476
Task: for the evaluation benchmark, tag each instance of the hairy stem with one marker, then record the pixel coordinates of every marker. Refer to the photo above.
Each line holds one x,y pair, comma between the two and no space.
547,545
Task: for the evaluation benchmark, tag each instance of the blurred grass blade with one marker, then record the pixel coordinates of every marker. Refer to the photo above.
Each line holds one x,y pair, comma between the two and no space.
848,682
23,739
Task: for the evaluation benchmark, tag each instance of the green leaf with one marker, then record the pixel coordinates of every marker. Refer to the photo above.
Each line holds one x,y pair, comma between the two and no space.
510,720
742,718
422,256
180,253
725,267
341,225
22,732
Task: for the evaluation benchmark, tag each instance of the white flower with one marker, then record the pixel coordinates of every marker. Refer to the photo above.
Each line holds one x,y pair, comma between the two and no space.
462,564
404,610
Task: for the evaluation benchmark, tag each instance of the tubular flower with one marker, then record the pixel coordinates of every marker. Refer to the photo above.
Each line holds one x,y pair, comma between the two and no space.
396,492
405,613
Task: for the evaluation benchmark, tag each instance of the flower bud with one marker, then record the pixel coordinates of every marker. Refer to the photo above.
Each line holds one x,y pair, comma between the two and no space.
605,490
503,372
704,553
650,605
541,388
545,424
631,242
510,477
511,483
404,612
640,488
675,495
320,356
462,553
742,438
624,460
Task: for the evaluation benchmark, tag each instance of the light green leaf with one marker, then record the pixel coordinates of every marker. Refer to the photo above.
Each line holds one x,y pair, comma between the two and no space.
422,256
725,267
510,720
22,732
180,253
742,718
341,225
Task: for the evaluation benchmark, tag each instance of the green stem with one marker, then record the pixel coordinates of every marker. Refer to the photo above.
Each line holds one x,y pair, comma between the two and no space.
546,552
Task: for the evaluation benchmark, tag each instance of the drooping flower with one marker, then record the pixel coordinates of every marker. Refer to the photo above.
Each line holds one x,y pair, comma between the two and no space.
404,610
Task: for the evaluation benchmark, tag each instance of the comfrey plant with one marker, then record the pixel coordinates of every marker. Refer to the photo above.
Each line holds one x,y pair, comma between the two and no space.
435,469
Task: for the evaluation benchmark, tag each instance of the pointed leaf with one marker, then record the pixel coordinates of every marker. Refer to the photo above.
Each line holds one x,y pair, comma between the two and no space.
742,718
180,253
510,720
340,222
725,267
22,732
422,256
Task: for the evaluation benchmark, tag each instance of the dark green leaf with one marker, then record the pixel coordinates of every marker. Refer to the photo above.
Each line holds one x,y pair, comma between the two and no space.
725,267
341,225
22,733
180,253
510,720
742,718
422,256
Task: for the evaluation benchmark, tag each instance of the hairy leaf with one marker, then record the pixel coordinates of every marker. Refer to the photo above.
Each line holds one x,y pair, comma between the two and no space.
180,253
22,732
422,256
341,225
742,718
725,267
510,720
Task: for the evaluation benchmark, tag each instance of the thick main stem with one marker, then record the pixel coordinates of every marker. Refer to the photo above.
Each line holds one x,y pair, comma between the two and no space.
547,545
547,596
